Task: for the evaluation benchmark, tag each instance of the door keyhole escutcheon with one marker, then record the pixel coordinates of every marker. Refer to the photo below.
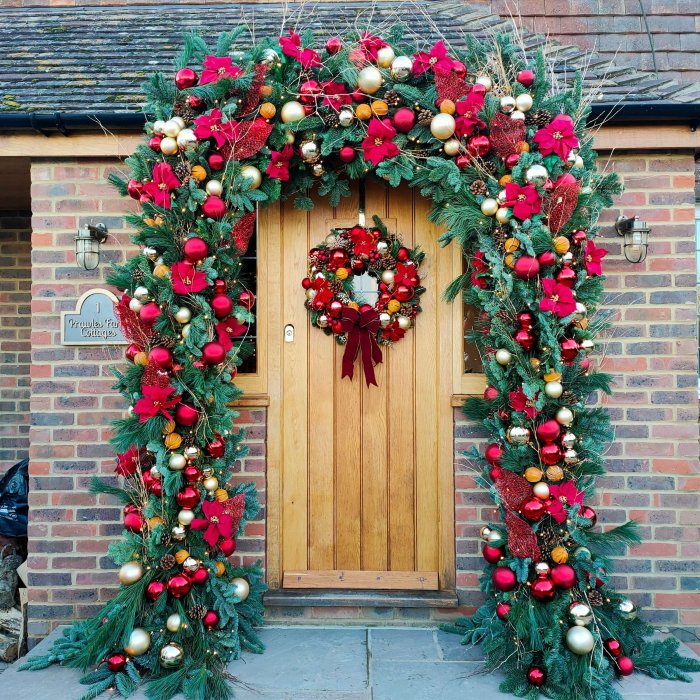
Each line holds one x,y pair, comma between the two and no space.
289,333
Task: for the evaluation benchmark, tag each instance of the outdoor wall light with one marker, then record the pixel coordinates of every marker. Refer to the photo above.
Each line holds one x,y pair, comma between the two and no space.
636,237
87,245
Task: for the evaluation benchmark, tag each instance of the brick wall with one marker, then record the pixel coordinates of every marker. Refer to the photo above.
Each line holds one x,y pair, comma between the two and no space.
653,474
15,295
72,404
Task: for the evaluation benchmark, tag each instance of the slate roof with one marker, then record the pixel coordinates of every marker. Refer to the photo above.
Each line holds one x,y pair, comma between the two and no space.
93,59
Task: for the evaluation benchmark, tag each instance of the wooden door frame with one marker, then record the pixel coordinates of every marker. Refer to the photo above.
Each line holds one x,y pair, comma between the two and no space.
270,224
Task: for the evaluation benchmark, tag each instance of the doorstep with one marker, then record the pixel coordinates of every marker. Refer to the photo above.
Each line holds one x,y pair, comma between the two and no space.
333,597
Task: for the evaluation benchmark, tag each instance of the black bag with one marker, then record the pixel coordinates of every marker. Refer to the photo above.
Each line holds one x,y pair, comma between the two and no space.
14,506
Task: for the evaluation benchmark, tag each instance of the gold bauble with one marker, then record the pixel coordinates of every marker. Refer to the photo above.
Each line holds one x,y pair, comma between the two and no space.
401,68
173,623
183,315
161,271
503,357
447,106
541,490
385,56
485,81
168,147
185,517
504,215
553,390
489,206
131,572
555,473
559,555
155,520
186,139
561,245
221,495
173,441
442,126
523,102
172,128
451,147
177,462
139,642
580,640
181,555
214,188
564,416
292,112
253,174
369,80
171,655
211,484
533,474
241,588
198,173
511,245
220,568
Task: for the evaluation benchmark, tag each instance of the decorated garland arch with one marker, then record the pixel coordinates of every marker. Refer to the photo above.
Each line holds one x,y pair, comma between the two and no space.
503,156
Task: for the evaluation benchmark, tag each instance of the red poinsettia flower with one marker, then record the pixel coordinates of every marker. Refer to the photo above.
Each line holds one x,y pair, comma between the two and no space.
563,496
524,200
393,332
218,67
291,46
558,298
520,402
227,329
557,137
211,126
187,279
406,274
217,522
156,400
370,45
592,257
279,163
378,143
363,241
164,182
324,296
335,95
437,59
129,461
467,114
479,267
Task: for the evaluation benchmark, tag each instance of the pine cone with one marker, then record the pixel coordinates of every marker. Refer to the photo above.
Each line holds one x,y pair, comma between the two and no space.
183,170
540,118
137,274
167,561
182,109
336,286
332,121
425,116
197,611
165,340
569,397
500,236
478,187
489,166
386,262
595,598
392,98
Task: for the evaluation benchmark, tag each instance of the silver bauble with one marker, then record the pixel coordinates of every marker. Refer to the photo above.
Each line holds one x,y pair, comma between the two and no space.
192,452
173,623
135,305
318,170
537,175
496,538
587,345
580,640
567,258
171,655
150,253
580,312
553,390
570,457
178,533
190,564
503,356
269,56
139,642
177,462
309,151
542,568
142,294
484,533
580,614
517,115
388,276
241,588
369,80
384,319
345,117
382,246
183,315
507,104
401,68
627,609
518,435
322,321
568,440
155,473
564,416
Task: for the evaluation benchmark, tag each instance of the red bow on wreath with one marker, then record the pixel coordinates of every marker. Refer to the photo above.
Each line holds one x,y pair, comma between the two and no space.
361,327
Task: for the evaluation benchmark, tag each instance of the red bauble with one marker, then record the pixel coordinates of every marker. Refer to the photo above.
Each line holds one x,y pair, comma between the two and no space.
625,666
525,320
495,473
504,579
213,353
155,590
347,154
548,431
134,188
179,585
147,479
309,90
478,89
335,308
479,146
220,286
563,576
162,357
512,160
569,349
210,619
550,454
156,488
185,78
492,554
566,276
459,68
535,675
533,510
525,339
543,589
502,610
247,299
132,351
216,447
404,254
149,313
338,258
227,546
547,259
195,102
196,249
613,647
527,267
579,237
404,119
154,143
116,662
192,474
337,327
365,307
214,207
585,364
188,497
200,575
306,283
491,393
133,521
216,161
463,161
526,77
588,513
186,414
493,453
403,293
334,44
221,305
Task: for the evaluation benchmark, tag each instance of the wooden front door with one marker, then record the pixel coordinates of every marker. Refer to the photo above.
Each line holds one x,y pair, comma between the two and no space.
360,488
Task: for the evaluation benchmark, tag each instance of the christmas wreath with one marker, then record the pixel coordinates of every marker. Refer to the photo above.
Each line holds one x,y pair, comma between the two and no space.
338,309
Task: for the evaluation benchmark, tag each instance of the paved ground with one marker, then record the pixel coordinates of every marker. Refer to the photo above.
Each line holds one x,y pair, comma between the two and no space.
332,663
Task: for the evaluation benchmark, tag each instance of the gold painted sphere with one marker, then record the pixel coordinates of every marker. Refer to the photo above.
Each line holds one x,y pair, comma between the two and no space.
252,173
565,416
158,126
503,357
404,322
517,115
172,128
485,81
173,622
442,126
241,588
168,146
131,572
489,206
185,517
211,483
385,56
451,147
541,490
503,215
369,80
183,315
186,138
555,473
179,121
177,462
523,102
388,276
139,642
553,390
214,188
580,640
292,112
171,655
186,330
401,68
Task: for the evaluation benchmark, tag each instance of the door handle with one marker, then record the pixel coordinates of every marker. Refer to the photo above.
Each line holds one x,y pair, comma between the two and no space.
289,333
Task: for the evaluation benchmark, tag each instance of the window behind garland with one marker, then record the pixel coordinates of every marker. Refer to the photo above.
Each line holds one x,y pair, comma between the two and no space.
472,361
249,277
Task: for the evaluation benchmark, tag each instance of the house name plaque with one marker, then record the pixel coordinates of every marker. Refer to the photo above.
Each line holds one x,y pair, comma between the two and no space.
93,322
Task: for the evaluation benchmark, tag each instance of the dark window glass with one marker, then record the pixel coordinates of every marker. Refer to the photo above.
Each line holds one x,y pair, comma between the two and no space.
249,279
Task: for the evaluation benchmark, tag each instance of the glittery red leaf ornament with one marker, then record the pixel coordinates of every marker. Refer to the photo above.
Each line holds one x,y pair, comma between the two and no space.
252,97
522,541
242,232
130,323
155,376
235,507
560,205
251,137
513,489
450,86
506,134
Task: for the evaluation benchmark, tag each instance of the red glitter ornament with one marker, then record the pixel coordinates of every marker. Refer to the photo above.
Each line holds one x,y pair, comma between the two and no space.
513,489
492,554
534,510
625,666
522,541
535,675
195,249
210,619
221,305
186,414
155,590
161,357
504,579
564,576
543,589
214,207
179,585
185,78
495,473
188,497
116,662
550,454
502,610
